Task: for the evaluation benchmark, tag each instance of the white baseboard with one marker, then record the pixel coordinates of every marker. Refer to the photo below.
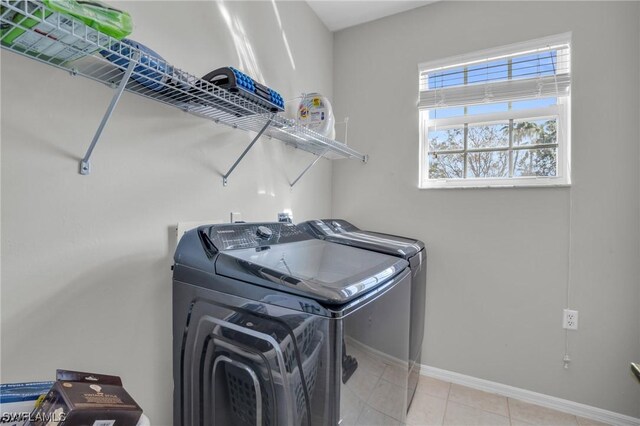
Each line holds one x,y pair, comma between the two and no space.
382,356
543,400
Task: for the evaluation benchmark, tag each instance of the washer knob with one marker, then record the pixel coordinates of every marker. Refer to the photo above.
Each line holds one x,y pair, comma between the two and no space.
264,232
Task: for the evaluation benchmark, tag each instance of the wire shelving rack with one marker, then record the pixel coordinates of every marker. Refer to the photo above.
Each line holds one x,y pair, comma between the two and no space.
67,43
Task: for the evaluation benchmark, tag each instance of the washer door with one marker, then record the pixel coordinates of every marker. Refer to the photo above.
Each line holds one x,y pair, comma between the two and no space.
242,366
331,274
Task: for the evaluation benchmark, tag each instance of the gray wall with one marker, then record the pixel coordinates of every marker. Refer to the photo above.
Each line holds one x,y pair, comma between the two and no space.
498,261
86,282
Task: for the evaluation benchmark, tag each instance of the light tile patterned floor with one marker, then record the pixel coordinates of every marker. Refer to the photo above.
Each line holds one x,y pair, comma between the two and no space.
375,391
441,403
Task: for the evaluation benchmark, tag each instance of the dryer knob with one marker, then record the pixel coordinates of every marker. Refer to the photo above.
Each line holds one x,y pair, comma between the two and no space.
264,232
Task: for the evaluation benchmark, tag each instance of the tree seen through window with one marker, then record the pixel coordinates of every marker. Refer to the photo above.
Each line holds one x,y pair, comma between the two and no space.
485,151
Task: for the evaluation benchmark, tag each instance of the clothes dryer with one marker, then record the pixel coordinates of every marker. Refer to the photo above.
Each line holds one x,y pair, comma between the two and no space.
342,232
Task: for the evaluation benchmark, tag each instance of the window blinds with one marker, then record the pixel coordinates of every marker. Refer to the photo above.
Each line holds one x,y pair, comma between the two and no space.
526,74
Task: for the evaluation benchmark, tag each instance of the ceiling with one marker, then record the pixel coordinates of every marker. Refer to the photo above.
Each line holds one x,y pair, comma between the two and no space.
338,15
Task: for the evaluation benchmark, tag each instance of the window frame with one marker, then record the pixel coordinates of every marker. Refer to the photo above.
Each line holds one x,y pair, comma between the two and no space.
562,110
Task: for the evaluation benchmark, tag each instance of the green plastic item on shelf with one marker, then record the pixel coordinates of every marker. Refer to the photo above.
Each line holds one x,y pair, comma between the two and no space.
40,33
22,22
3,26
96,14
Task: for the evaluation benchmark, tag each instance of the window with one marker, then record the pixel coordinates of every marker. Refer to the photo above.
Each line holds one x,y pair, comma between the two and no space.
498,117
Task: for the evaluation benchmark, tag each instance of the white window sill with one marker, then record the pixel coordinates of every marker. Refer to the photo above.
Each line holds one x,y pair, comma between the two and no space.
488,183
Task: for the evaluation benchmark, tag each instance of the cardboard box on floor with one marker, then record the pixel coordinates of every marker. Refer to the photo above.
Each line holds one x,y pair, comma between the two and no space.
87,398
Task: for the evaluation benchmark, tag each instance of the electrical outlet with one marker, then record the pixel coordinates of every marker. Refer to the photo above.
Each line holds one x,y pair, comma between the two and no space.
570,319
236,217
285,216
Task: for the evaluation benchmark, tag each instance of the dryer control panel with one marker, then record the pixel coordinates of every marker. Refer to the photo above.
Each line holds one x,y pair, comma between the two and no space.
252,235
328,227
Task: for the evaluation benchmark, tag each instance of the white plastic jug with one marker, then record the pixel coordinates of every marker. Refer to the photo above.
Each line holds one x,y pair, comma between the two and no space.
315,113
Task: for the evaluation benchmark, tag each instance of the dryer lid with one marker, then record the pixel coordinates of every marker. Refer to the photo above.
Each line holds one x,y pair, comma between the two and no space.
342,232
328,273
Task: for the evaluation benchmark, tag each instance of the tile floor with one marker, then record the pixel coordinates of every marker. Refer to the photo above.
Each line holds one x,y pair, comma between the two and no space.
375,391
441,403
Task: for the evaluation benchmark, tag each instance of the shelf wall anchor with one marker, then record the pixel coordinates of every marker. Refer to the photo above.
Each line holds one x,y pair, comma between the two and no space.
225,177
308,167
85,164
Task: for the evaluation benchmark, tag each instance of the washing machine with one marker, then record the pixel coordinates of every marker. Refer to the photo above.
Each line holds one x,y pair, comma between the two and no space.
274,327
342,232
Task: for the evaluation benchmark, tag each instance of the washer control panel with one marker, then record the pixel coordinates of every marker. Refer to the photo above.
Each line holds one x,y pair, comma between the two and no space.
264,232
253,235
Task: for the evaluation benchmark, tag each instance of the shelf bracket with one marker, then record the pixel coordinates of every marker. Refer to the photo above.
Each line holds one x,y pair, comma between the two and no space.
308,167
85,164
225,177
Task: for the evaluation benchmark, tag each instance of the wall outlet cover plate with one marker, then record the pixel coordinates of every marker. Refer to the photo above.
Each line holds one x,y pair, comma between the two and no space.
570,319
